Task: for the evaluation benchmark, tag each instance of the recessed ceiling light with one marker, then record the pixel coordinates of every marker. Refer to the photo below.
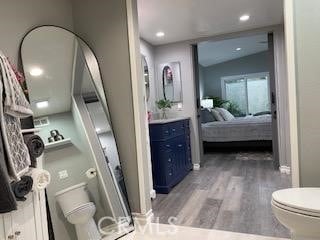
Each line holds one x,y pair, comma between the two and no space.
98,129
238,49
42,104
36,72
244,18
160,34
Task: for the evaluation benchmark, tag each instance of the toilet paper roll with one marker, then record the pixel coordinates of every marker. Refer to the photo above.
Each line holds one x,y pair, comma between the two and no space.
41,179
91,173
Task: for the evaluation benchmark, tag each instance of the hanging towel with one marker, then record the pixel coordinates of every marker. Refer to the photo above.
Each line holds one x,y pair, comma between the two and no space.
7,200
11,95
35,146
22,187
15,102
41,179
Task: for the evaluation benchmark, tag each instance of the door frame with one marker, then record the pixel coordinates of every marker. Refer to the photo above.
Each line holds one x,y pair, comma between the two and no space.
287,130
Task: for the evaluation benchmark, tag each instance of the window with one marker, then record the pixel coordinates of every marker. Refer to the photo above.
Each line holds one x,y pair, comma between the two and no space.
249,92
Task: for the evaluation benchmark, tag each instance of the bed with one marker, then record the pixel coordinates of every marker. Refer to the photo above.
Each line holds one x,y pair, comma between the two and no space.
250,130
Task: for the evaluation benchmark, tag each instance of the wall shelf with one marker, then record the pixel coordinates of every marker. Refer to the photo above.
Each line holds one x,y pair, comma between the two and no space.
57,144
30,130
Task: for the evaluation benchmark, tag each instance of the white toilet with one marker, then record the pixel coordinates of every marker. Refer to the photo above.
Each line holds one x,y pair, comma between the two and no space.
299,210
77,208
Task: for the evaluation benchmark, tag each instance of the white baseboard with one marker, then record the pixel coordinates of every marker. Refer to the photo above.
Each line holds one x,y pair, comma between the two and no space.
196,166
153,194
143,219
285,169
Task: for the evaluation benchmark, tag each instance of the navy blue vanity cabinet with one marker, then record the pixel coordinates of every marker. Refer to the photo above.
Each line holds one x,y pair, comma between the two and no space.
170,153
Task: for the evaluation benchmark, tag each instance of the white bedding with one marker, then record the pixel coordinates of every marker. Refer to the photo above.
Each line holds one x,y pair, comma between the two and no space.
248,128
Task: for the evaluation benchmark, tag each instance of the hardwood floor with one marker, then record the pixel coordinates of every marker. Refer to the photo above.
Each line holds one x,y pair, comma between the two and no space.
232,192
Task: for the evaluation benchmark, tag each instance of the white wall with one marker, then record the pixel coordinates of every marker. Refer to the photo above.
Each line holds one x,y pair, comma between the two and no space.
182,52
307,69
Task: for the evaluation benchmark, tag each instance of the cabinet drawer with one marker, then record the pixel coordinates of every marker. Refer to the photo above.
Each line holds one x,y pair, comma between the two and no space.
168,130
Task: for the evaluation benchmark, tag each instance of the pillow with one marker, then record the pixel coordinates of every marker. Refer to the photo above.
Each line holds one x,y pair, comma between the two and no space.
206,116
217,115
225,114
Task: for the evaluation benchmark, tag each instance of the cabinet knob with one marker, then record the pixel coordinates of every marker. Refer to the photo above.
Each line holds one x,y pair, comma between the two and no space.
170,174
168,145
11,237
169,160
173,129
180,145
17,233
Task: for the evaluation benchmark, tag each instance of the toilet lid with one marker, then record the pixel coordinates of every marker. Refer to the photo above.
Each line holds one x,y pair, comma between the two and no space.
305,199
81,207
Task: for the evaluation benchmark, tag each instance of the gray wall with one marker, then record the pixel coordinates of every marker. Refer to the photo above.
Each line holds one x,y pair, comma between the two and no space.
250,64
18,17
103,24
182,52
307,49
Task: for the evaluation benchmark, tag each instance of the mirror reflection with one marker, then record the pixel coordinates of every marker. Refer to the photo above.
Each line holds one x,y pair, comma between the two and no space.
171,82
146,77
87,194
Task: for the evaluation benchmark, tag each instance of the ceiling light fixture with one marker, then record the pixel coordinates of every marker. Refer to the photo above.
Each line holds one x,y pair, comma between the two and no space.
160,34
42,104
36,72
238,49
98,129
244,18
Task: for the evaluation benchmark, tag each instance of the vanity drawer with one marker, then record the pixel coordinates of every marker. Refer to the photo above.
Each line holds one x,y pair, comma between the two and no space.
168,130
176,128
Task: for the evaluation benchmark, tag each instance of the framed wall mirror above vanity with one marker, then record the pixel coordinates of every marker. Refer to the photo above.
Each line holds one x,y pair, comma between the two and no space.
169,82
87,194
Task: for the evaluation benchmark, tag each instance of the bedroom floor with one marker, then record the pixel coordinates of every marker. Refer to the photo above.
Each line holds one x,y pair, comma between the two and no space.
232,192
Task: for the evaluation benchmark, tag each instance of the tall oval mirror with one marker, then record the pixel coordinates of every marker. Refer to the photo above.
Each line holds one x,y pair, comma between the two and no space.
87,195
146,77
171,81
167,81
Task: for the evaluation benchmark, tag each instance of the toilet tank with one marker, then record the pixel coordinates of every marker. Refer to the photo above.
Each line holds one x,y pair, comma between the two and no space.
73,197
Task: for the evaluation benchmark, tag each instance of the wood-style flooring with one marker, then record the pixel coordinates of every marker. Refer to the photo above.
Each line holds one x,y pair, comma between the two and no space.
231,192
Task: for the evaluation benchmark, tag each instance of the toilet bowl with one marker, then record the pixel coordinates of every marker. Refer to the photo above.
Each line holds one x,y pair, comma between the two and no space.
298,209
79,210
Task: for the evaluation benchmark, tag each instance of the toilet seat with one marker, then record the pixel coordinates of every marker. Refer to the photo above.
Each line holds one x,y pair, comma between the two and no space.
81,207
305,201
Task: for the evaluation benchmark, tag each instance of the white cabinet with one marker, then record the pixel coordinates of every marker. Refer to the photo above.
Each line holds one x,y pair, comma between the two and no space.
28,222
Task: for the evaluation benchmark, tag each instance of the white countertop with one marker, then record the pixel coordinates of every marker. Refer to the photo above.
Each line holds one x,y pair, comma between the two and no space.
168,120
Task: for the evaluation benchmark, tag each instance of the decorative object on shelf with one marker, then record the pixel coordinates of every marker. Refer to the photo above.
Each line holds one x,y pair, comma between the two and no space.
164,105
55,136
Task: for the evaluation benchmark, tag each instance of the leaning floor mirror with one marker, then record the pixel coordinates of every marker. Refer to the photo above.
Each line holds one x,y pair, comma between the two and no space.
86,198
